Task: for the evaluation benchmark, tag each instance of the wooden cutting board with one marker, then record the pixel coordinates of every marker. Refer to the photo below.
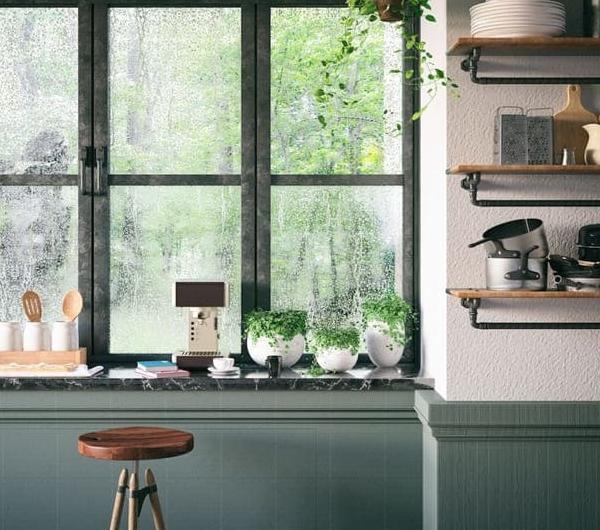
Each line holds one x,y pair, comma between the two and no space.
568,125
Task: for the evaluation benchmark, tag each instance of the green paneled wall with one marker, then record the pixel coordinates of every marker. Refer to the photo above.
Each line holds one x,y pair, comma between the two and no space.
510,466
263,460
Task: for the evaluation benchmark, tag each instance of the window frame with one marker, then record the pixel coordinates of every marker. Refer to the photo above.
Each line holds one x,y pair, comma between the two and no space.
255,179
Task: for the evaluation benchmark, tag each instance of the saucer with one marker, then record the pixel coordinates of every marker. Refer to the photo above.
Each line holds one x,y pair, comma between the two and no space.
229,371
224,376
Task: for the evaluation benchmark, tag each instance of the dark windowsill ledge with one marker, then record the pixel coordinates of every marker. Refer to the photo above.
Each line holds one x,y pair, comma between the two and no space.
251,378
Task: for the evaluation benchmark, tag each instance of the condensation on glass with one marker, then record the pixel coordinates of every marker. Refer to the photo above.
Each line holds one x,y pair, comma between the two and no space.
334,246
163,234
175,90
355,132
38,90
38,247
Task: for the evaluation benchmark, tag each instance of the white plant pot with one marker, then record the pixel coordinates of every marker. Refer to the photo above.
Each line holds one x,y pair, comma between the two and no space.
290,350
382,351
336,359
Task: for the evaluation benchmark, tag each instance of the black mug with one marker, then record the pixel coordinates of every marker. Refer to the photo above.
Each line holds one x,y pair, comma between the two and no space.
274,365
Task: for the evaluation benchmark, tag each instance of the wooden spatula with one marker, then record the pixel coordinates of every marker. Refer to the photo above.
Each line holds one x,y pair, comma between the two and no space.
32,306
568,125
72,305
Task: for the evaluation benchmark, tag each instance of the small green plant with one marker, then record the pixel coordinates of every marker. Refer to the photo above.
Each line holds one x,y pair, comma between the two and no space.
394,312
336,337
273,325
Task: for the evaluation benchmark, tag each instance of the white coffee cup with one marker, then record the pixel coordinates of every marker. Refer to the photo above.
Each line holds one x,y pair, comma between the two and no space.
63,336
7,336
36,336
223,363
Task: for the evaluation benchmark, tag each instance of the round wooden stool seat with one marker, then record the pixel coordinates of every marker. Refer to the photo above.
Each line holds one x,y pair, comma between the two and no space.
135,443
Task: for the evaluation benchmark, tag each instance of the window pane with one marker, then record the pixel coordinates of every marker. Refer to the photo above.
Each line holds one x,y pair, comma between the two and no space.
159,235
333,246
38,247
360,134
38,90
175,90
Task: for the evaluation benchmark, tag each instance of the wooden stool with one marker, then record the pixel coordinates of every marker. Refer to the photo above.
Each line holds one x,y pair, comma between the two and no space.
135,443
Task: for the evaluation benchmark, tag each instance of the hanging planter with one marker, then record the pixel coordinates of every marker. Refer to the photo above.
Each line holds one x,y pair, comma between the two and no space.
416,68
390,10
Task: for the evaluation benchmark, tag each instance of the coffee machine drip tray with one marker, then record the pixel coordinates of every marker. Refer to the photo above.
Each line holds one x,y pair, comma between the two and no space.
192,360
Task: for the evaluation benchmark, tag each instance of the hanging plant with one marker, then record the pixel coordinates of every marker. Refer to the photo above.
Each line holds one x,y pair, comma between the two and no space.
356,25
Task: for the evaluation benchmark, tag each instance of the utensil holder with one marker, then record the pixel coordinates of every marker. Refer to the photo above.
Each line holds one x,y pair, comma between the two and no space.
78,356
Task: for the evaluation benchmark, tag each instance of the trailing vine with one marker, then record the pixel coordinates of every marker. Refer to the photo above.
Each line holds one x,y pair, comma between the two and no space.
355,26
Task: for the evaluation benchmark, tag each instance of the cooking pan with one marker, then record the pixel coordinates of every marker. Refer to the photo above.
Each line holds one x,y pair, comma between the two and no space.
517,274
519,236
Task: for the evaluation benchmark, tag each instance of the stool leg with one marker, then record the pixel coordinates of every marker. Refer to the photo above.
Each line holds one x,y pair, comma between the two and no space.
133,502
115,520
159,523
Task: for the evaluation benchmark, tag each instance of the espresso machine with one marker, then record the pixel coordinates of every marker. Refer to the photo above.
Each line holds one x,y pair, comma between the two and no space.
203,300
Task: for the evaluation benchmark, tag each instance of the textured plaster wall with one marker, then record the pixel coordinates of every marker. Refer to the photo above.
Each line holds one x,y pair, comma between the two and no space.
522,364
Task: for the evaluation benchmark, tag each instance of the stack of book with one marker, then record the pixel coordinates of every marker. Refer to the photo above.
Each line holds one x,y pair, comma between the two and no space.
157,369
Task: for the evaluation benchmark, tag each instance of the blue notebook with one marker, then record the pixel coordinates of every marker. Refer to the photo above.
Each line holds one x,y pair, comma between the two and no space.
157,366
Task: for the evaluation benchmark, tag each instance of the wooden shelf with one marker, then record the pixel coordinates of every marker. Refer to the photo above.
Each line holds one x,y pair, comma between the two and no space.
573,46
485,293
465,169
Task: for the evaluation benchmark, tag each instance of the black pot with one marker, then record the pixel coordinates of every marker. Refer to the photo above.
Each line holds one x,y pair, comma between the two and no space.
589,243
589,236
591,254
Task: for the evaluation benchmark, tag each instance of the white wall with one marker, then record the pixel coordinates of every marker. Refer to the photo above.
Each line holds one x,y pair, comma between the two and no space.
502,365
433,216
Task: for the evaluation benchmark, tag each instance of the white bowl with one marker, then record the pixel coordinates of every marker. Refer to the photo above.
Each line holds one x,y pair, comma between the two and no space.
540,6
516,33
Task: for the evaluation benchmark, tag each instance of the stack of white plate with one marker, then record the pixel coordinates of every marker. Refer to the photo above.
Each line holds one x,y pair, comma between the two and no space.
518,18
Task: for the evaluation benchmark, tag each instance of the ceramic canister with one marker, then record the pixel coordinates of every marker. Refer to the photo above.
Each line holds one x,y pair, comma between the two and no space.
7,340
17,336
36,336
63,336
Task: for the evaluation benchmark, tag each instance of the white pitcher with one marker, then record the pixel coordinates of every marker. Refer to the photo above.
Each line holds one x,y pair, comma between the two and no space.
592,150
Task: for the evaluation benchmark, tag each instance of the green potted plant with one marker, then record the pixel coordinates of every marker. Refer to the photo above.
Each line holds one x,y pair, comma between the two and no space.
276,333
387,320
336,348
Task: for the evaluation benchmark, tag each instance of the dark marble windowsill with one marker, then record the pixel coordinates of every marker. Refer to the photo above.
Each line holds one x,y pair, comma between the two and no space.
360,379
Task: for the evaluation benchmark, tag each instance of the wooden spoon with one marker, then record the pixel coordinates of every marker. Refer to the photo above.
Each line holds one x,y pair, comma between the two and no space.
72,305
32,306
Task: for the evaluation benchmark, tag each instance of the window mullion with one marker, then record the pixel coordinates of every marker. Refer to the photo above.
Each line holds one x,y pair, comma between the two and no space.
410,207
101,201
263,156
85,225
248,182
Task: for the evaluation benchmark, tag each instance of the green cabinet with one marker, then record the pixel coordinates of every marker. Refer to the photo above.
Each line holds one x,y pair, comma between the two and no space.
262,460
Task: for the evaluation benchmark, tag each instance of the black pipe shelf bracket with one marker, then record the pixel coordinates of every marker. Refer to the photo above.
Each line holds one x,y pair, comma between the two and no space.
471,65
473,305
472,181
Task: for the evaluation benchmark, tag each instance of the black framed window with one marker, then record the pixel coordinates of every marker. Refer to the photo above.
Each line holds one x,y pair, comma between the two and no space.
148,142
